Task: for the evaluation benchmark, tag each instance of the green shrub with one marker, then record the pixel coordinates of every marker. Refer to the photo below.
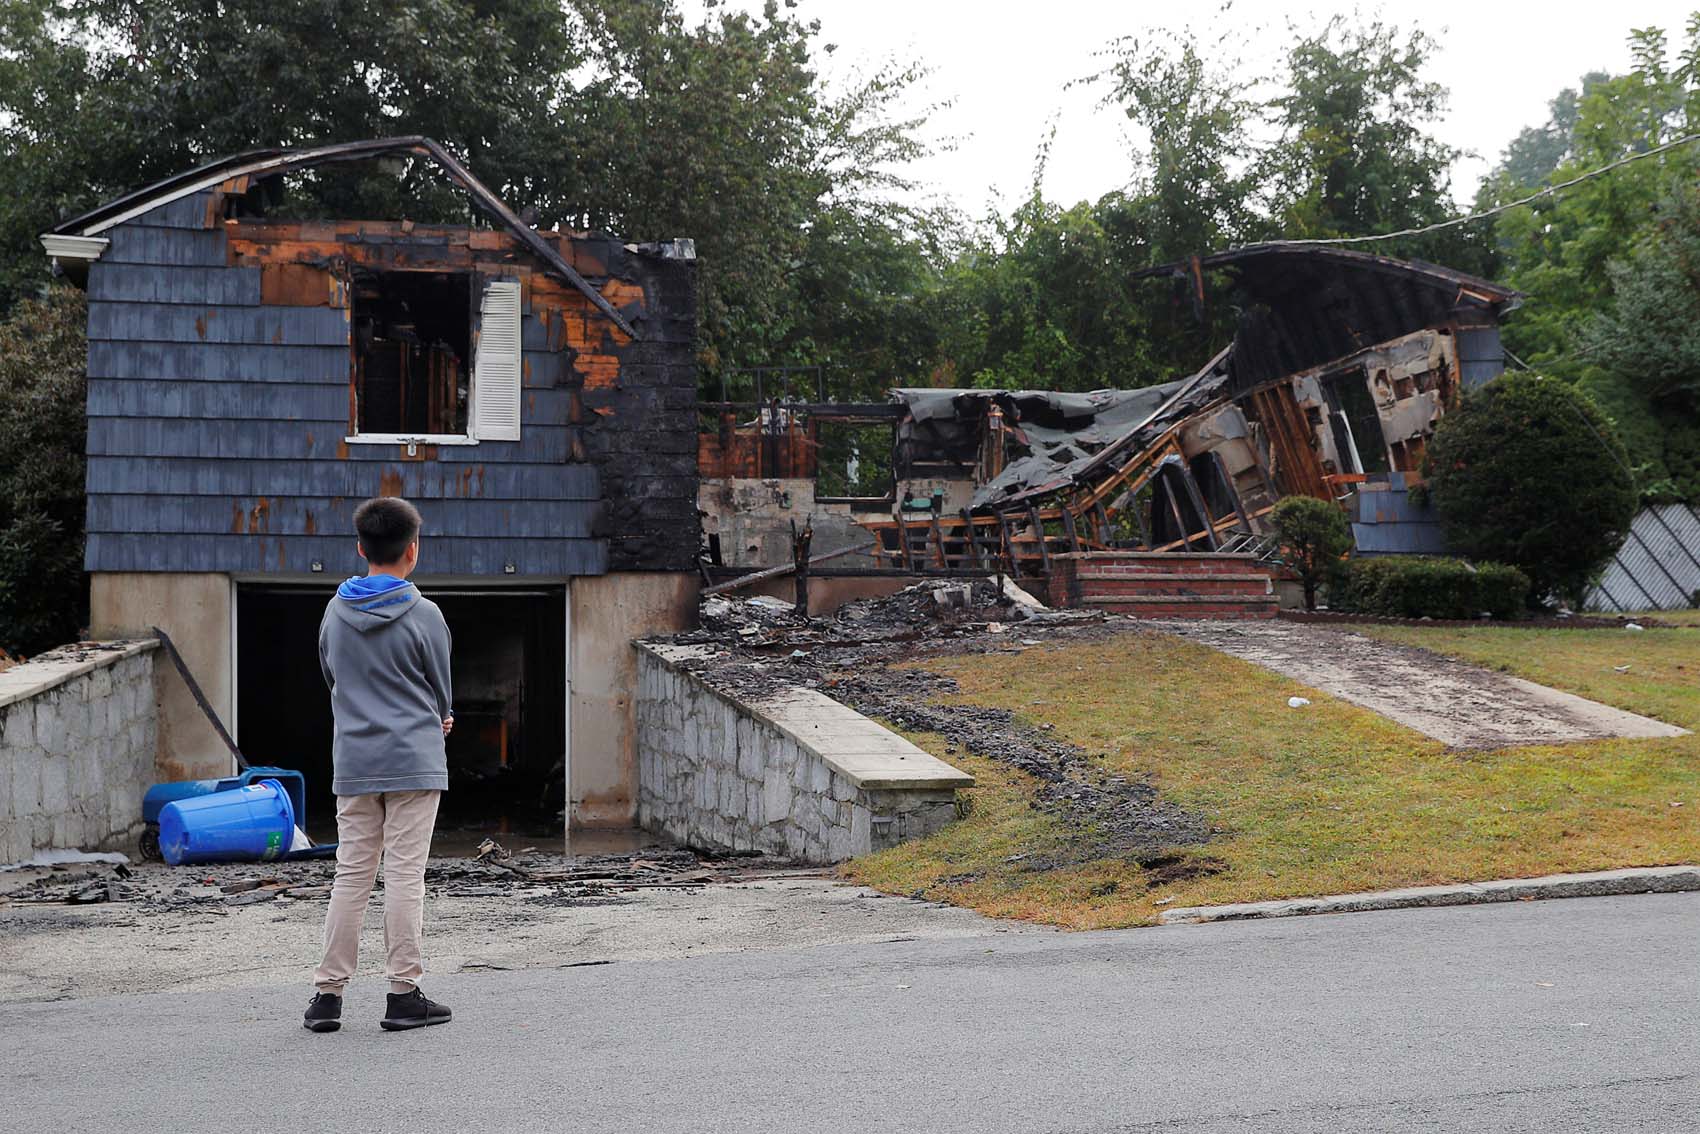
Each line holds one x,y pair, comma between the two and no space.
1313,536
1527,471
1401,586
43,590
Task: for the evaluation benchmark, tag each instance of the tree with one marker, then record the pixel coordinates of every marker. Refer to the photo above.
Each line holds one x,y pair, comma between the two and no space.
622,115
1528,471
43,591
1313,535
1357,155
1647,340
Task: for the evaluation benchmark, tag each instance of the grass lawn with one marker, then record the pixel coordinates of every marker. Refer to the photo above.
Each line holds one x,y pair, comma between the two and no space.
1325,799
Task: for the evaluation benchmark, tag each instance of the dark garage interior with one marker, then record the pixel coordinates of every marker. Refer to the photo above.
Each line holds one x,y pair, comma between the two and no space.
507,752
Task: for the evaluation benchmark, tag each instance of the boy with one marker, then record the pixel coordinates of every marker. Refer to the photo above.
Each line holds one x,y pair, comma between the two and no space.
384,650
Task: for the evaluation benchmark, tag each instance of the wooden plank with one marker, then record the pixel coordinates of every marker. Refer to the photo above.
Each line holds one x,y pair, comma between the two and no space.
974,557
938,542
1227,482
1005,544
1069,530
1038,523
1199,506
1161,484
1106,534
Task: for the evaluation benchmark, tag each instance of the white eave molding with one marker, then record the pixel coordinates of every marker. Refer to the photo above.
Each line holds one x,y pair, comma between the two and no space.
81,248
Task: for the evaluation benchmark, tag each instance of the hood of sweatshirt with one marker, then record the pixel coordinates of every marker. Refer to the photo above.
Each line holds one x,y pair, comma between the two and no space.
367,602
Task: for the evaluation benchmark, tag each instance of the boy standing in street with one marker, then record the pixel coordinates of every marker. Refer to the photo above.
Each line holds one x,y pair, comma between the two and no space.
384,650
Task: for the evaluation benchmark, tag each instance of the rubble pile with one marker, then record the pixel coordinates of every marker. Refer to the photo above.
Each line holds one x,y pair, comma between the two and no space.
528,874
854,655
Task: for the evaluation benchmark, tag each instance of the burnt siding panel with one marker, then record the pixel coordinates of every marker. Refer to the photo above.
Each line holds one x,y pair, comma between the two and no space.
276,401
295,554
355,480
212,323
217,432
176,247
150,283
221,362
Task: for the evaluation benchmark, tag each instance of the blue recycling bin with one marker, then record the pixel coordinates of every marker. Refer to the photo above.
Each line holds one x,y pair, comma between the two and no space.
251,823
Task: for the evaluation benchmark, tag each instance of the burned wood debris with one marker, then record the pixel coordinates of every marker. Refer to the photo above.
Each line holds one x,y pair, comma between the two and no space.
1341,366
526,874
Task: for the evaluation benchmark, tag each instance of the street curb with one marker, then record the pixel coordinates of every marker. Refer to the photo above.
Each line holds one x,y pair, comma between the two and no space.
1648,880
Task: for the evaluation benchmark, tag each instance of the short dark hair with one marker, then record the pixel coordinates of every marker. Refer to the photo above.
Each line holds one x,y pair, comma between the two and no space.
386,525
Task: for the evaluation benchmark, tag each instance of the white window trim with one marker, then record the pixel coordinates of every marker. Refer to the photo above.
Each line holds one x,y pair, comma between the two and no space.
404,438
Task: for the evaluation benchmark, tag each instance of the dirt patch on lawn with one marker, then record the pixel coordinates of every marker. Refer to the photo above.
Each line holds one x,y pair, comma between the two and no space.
854,658
1459,704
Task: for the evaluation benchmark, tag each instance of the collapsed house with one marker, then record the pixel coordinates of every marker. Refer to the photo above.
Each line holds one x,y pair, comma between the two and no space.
1341,365
253,377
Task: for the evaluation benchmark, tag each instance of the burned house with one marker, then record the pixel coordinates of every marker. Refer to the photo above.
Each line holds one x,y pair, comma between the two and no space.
253,376
1340,367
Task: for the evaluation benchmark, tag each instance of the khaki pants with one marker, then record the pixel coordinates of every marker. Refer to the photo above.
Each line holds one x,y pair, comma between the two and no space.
398,824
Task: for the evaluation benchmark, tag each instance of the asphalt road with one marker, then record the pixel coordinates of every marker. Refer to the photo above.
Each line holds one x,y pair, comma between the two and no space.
1553,1016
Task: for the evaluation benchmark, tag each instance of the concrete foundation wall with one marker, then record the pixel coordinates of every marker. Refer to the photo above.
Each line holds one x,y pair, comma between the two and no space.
197,611
804,778
608,613
753,520
77,737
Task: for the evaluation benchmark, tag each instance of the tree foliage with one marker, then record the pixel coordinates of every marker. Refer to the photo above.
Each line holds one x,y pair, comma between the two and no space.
43,591
1605,264
1357,152
1313,535
1528,472
622,115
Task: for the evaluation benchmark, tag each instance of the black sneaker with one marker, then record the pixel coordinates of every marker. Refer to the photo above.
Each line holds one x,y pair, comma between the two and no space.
324,1012
412,1010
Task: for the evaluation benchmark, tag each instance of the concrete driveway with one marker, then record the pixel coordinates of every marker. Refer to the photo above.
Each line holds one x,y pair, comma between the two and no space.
1546,1016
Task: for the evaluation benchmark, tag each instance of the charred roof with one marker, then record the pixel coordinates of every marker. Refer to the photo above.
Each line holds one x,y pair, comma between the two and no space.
1304,305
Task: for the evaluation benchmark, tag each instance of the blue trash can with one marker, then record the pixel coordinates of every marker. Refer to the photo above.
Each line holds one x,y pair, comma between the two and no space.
246,824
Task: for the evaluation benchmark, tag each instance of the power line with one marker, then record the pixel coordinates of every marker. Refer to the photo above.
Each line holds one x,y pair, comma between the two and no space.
1509,205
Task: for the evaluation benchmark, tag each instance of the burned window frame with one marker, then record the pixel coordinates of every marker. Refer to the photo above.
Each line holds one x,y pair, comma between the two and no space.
478,286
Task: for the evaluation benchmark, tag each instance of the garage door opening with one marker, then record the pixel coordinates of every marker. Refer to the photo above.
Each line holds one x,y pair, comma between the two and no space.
507,754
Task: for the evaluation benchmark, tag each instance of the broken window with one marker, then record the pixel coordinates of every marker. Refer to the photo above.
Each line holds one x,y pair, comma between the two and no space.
1356,424
855,460
428,364
412,340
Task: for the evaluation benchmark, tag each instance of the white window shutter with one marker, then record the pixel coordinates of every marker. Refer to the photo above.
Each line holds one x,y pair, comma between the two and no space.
496,366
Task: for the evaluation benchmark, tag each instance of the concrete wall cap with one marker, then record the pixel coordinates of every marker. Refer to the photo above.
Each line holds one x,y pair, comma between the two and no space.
864,752
57,666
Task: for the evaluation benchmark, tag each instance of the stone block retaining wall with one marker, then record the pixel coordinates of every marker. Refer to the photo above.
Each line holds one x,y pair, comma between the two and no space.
794,774
77,740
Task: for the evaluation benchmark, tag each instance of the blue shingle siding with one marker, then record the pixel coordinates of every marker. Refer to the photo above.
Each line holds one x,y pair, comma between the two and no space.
138,244
210,323
215,362
1481,358
294,554
190,212
145,283
1387,522
217,429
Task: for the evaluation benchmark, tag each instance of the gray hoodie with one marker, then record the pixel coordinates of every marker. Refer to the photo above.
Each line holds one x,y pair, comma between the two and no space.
384,650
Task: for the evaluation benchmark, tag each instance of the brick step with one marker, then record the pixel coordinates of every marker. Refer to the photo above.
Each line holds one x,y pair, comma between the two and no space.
1191,585
1119,570
1186,606
1092,558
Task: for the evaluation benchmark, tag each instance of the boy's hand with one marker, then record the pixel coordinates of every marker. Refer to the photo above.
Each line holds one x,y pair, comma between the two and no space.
448,725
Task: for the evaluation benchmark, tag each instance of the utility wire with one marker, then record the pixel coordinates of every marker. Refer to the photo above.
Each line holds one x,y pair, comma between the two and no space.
1509,205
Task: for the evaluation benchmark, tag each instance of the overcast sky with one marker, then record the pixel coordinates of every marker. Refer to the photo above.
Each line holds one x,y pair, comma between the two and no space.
1005,66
